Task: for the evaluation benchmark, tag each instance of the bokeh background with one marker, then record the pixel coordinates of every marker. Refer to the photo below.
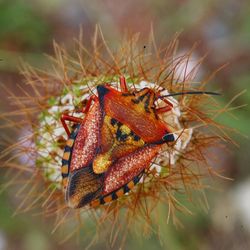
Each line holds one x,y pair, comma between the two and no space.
221,28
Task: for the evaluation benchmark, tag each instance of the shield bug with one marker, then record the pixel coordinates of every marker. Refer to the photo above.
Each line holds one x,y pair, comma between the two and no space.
109,149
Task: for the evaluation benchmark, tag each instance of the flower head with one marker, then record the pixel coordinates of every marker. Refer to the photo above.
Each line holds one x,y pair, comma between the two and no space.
177,168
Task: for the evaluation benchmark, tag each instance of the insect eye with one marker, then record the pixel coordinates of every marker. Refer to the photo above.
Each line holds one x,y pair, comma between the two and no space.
168,137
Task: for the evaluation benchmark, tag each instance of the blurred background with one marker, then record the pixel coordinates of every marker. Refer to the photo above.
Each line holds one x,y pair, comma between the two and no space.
222,28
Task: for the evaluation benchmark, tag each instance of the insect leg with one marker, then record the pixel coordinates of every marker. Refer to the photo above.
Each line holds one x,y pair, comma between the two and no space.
66,117
166,108
88,105
123,84
70,118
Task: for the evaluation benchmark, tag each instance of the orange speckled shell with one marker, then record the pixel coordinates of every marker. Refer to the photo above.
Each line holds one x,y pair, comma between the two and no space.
87,139
124,108
126,168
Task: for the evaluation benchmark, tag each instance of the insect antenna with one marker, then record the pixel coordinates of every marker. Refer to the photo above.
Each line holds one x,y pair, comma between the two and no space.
190,93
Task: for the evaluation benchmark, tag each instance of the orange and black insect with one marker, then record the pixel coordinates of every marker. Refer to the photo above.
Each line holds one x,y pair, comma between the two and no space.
107,151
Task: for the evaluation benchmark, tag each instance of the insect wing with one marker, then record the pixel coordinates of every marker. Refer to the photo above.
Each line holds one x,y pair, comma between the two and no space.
87,139
84,186
128,167
80,183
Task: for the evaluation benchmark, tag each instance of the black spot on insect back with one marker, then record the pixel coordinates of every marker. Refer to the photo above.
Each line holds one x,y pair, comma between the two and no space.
121,136
113,121
136,137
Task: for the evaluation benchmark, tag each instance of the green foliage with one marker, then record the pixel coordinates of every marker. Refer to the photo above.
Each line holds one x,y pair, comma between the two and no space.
21,25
